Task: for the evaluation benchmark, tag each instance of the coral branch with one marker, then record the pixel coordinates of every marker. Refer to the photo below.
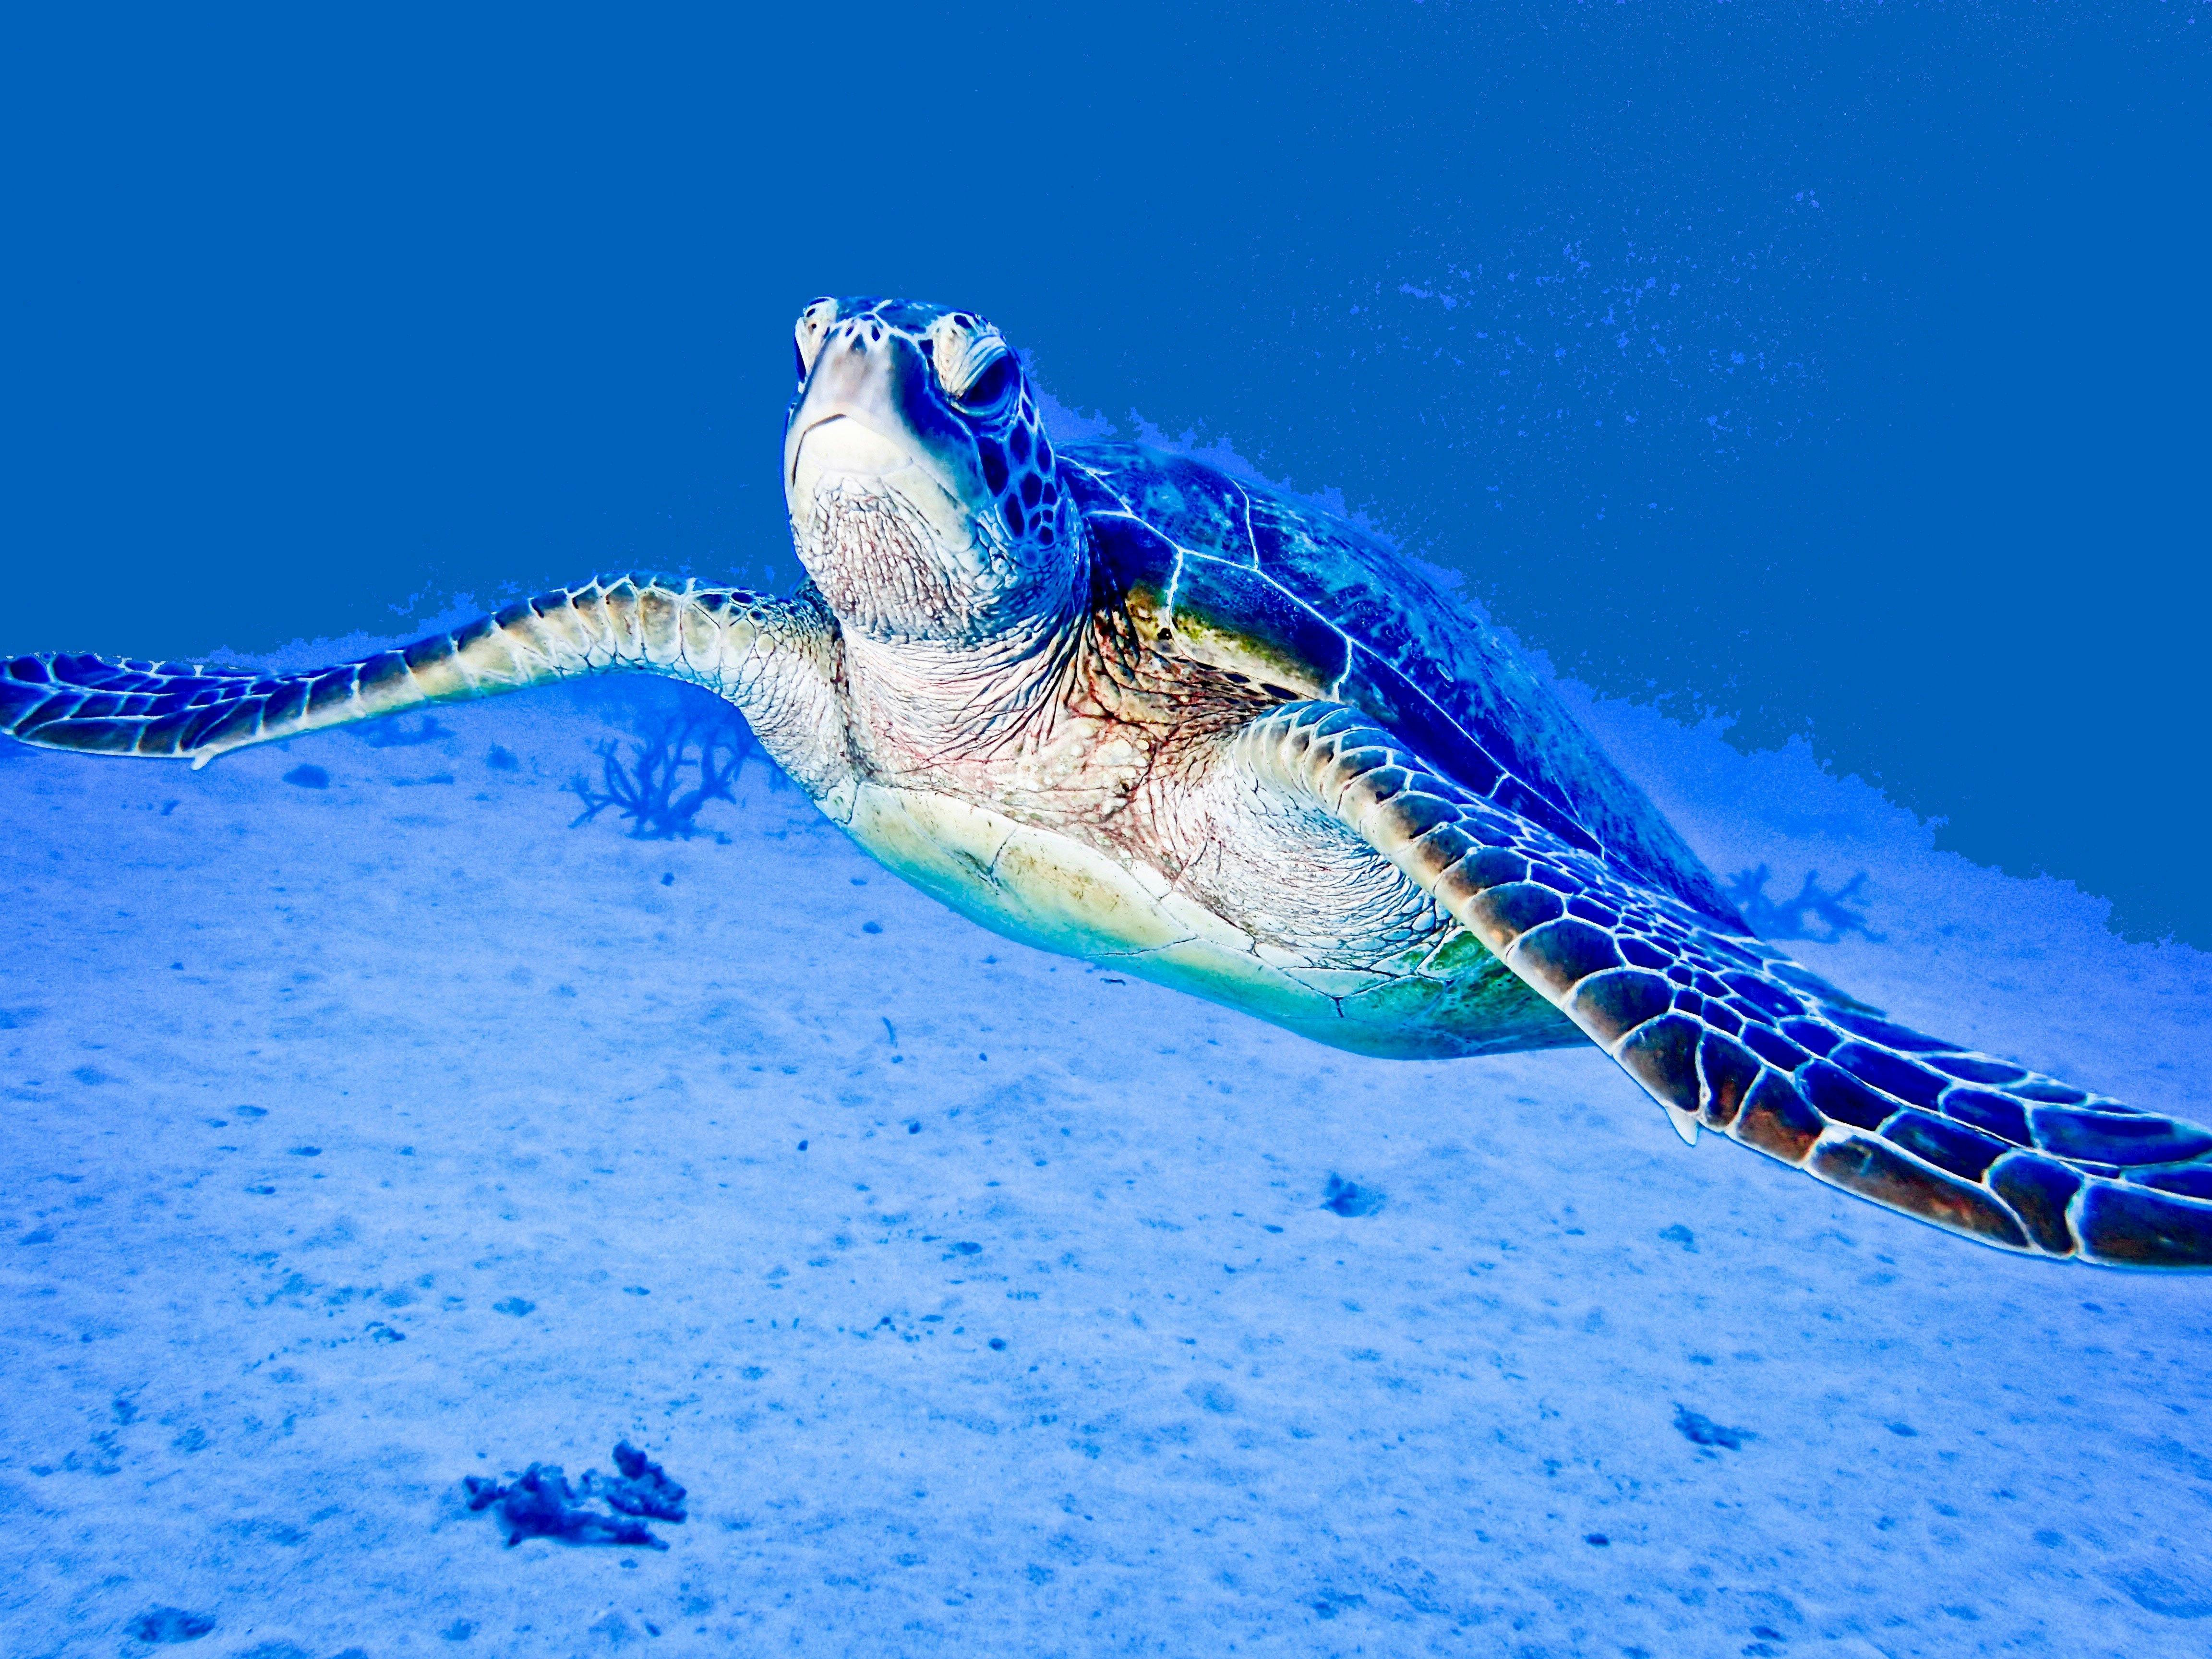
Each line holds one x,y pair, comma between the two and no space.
1788,918
650,789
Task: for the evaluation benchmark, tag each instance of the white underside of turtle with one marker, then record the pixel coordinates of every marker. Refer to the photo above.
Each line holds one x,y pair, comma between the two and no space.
1374,995
1122,706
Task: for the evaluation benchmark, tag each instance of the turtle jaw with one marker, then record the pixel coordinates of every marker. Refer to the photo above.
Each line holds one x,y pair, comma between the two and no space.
842,455
886,539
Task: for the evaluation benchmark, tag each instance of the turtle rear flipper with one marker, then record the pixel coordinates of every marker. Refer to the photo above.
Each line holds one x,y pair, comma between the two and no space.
1726,1033
178,710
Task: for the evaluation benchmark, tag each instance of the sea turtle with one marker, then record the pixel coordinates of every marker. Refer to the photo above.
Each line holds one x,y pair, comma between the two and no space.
1125,706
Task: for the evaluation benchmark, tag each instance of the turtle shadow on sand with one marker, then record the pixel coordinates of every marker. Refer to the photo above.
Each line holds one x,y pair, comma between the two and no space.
676,763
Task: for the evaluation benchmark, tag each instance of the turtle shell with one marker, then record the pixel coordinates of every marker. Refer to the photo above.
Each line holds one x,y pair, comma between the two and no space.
1237,575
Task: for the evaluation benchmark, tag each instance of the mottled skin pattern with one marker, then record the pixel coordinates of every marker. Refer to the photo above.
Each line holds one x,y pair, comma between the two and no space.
1224,572
1121,705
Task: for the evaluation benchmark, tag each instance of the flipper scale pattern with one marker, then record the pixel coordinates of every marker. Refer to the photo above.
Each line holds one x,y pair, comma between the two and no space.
1726,1033
188,711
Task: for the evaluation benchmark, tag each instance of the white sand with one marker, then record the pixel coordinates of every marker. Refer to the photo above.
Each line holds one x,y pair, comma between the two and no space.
555,1100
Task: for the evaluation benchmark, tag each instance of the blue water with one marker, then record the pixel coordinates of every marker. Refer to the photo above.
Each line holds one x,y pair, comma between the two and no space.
1822,391
1841,372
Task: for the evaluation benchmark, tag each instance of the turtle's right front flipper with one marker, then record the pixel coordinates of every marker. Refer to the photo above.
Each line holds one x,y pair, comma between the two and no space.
1727,1033
174,710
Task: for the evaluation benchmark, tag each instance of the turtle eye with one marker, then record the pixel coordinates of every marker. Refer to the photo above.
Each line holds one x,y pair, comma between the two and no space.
990,388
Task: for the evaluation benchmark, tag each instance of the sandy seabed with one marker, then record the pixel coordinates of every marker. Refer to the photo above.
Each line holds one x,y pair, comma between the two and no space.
360,1139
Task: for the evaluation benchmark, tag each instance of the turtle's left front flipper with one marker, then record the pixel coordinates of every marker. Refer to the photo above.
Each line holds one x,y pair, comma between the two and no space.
185,711
1724,1031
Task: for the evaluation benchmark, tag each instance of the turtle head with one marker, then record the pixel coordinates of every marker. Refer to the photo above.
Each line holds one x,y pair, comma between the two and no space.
924,496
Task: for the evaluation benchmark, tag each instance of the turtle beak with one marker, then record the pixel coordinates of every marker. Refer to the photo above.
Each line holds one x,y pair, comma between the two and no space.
869,411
